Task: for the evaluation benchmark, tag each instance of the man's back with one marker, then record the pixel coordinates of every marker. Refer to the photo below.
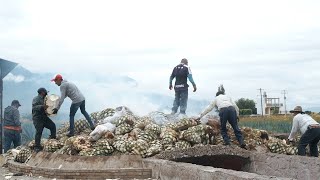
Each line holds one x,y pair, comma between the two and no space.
181,72
11,116
223,101
70,90
302,121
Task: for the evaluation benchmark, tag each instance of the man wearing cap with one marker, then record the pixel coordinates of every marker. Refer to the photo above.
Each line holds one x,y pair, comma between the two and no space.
41,119
12,126
310,132
181,72
70,90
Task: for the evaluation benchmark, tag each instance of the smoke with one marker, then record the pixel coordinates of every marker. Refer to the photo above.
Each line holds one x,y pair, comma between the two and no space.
100,96
103,90
14,78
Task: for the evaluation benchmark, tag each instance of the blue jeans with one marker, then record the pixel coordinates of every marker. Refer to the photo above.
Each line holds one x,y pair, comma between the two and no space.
73,109
229,114
311,137
181,99
11,136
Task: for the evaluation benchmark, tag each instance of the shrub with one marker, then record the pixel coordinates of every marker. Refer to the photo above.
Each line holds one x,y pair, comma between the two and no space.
245,111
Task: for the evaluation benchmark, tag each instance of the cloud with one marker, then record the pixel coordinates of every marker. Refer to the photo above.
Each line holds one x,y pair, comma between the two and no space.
243,46
14,78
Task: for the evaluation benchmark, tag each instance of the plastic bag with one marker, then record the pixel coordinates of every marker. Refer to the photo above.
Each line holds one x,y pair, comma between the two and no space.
52,101
210,117
101,130
120,111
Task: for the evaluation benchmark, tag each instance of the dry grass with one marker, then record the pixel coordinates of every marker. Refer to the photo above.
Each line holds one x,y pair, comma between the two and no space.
274,123
288,117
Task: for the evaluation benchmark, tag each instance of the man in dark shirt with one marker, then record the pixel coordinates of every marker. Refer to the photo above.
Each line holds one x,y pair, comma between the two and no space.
41,119
12,126
181,72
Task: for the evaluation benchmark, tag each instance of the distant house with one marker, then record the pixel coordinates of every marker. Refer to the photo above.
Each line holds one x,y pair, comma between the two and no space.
272,105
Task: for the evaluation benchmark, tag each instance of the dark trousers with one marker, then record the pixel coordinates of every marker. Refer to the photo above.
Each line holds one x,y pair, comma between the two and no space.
181,99
39,124
11,136
73,110
229,114
311,137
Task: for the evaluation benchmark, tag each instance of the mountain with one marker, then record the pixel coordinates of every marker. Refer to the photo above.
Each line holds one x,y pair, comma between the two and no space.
22,85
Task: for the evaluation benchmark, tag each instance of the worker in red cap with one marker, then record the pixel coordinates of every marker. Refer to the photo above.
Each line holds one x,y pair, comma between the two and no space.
70,90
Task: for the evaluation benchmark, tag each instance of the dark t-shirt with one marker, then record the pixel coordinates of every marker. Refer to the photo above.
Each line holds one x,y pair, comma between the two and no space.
181,72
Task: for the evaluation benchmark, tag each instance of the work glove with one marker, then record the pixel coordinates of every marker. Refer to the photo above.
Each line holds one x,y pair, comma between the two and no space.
170,86
55,111
197,119
194,88
288,141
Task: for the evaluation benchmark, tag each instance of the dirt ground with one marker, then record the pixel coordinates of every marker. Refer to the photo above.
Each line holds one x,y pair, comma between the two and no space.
5,174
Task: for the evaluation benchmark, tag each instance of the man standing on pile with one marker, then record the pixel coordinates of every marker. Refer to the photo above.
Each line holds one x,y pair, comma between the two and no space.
181,72
41,119
310,132
12,126
70,90
228,112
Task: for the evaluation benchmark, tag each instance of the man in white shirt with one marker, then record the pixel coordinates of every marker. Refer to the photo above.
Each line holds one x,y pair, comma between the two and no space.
309,129
228,112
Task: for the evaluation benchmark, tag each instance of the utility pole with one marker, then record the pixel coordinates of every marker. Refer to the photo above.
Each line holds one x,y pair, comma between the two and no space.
261,101
284,92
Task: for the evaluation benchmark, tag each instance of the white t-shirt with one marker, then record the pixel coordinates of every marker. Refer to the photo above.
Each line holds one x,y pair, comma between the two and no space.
301,122
221,101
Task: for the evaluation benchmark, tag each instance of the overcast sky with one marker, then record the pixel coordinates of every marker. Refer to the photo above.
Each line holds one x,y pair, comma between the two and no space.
245,45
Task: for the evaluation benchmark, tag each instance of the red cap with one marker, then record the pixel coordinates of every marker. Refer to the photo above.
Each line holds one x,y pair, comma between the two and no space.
57,77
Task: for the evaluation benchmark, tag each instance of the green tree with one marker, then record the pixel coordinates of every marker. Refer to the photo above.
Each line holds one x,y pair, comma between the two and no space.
247,104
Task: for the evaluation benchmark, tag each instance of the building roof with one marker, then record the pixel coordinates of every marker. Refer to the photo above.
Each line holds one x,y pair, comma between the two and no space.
6,67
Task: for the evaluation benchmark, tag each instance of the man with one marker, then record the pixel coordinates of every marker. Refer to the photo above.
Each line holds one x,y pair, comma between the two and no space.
228,112
12,126
310,131
70,90
181,72
41,119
